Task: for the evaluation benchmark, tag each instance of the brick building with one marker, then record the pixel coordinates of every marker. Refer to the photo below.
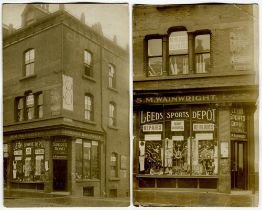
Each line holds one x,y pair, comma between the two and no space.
195,95
66,106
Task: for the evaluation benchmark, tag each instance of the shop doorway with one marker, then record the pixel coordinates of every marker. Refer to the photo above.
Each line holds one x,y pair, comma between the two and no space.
5,170
59,175
238,165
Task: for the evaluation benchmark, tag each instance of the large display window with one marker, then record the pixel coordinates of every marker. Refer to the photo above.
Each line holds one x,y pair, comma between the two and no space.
178,142
28,163
87,159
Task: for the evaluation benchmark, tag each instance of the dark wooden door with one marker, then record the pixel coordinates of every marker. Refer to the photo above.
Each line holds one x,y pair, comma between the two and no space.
238,165
59,175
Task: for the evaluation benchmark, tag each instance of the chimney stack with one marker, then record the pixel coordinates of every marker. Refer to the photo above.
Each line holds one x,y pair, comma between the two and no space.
61,7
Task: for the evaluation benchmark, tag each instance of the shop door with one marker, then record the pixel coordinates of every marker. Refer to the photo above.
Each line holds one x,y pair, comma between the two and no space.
238,165
59,175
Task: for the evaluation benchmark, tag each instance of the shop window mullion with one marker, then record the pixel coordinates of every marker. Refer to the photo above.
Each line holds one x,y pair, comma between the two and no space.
190,140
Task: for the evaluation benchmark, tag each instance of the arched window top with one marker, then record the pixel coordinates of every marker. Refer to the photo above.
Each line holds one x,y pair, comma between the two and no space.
88,57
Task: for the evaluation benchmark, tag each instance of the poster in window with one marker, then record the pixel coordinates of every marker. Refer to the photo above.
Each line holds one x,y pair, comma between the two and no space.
177,125
27,166
38,160
224,149
28,151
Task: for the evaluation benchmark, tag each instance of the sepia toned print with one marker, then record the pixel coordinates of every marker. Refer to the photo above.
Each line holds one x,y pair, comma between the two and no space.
65,105
195,96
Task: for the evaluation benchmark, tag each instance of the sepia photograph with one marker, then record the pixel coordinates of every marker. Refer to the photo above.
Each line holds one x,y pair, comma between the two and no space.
195,105
66,105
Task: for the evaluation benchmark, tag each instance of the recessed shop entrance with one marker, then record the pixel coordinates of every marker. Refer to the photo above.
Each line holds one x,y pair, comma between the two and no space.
59,175
238,165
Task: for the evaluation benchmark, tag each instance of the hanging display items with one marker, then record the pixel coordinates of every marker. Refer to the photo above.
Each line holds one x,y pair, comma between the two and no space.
186,145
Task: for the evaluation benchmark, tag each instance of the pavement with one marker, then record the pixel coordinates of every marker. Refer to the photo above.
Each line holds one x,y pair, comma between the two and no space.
27,198
148,198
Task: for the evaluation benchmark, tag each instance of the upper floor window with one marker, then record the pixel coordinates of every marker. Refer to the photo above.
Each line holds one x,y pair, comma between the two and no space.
154,57
89,104
111,76
202,53
114,165
178,53
20,109
29,62
88,62
29,106
112,114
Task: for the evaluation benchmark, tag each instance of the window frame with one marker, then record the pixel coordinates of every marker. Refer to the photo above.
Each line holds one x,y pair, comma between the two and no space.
87,110
111,79
195,34
147,56
28,62
112,116
88,67
114,165
169,55
83,160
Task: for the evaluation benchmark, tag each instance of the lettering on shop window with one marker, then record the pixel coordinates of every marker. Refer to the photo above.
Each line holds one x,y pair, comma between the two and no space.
151,116
238,124
152,127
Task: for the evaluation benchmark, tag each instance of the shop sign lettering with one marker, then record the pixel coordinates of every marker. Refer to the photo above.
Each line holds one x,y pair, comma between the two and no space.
239,136
28,151
176,99
203,127
204,136
238,120
152,137
39,151
178,138
177,125
18,152
59,148
152,116
152,127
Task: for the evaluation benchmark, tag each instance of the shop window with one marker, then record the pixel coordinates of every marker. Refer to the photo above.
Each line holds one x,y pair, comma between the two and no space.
89,107
178,53
29,62
28,161
202,53
154,57
112,114
178,142
88,63
114,165
111,76
87,159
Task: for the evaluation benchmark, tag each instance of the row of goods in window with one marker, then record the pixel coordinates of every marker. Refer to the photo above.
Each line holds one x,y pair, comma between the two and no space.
28,161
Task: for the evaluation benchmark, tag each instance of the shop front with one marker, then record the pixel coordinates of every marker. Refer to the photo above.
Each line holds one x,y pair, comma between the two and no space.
193,141
58,161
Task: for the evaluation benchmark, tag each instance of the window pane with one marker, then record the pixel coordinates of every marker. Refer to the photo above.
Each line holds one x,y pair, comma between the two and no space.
202,43
87,58
30,113
40,99
79,169
32,55
202,62
86,160
154,47
95,160
27,57
87,115
40,111
178,43
178,64
155,66
20,103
